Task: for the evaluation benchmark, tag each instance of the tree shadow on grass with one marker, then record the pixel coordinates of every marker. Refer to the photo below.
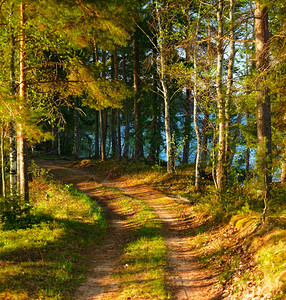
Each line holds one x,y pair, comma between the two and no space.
43,267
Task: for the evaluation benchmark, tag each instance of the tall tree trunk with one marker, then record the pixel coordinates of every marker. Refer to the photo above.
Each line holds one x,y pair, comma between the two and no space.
3,183
247,156
283,171
118,114
165,92
126,114
198,135
102,134
118,118
103,115
12,131
137,105
113,133
263,98
187,123
13,160
126,135
96,114
229,87
59,151
96,135
22,147
207,106
155,125
220,174
75,132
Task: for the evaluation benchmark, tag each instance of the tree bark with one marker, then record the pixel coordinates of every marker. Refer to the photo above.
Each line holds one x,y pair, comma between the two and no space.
206,121
263,98
137,106
187,123
96,135
229,88
283,171
113,133
197,130
75,133
155,114
103,115
118,114
3,181
220,174
12,131
126,114
165,92
59,152
22,148
102,135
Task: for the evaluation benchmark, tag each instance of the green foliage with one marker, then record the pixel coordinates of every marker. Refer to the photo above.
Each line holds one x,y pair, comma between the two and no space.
15,215
42,249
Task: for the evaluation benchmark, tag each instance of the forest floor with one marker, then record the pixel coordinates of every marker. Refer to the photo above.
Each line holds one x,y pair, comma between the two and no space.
185,276
160,245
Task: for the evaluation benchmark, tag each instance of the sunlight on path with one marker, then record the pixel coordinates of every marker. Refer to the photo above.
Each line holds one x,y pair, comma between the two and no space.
186,278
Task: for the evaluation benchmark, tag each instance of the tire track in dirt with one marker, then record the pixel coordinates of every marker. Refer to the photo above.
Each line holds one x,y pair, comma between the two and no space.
187,279
103,259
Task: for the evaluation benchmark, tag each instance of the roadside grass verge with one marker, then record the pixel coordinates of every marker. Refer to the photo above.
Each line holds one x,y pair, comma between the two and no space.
142,269
231,237
42,253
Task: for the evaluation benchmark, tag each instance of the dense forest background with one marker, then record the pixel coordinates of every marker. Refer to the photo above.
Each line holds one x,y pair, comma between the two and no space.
176,81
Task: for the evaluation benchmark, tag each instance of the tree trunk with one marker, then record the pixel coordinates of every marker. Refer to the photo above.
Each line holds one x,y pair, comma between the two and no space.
118,117
198,135
263,98
220,174
206,121
229,88
59,152
22,149
155,106
118,123
113,133
102,134
3,183
165,92
96,135
13,160
137,106
75,133
283,171
126,114
103,115
12,131
187,123
96,114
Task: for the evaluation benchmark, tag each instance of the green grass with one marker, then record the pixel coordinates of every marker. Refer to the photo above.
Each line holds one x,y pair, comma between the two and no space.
252,248
42,256
141,272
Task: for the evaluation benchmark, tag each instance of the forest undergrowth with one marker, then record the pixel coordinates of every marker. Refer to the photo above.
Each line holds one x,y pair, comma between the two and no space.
249,253
43,246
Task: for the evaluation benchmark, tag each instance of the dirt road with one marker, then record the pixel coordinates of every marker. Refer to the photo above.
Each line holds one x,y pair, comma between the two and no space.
186,277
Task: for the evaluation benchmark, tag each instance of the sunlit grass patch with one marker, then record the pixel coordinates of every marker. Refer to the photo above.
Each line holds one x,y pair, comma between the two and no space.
271,258
44,259
141,272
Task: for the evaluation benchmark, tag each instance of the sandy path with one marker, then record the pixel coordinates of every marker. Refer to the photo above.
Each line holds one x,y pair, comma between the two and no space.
187,278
